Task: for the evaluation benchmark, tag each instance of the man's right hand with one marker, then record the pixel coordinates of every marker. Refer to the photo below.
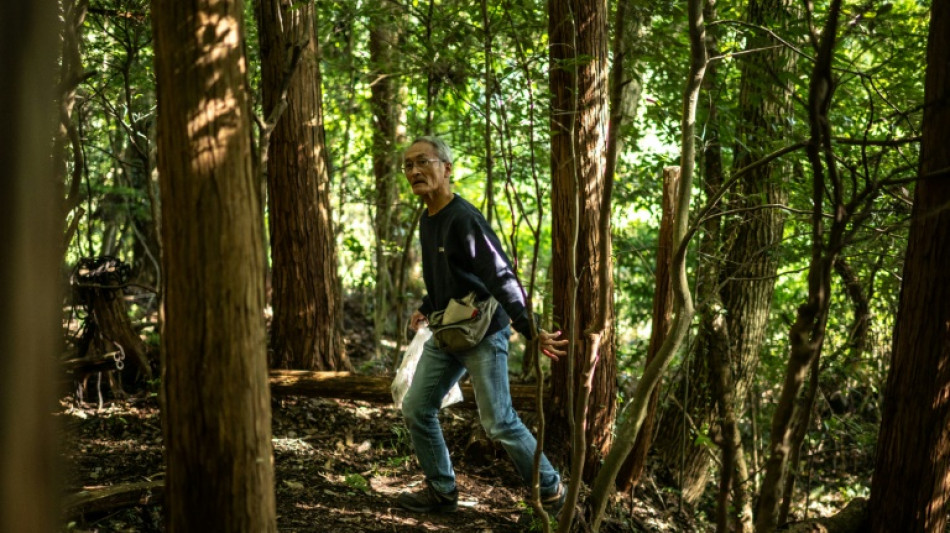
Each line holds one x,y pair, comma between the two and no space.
417,320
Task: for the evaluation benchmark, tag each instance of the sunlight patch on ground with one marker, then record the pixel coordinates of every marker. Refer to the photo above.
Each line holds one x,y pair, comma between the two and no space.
358,516
291,445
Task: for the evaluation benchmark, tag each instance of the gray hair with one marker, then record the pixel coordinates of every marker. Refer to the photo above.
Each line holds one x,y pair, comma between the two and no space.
441,147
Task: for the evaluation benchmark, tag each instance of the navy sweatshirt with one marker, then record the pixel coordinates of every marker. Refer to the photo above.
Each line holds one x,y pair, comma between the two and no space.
461,254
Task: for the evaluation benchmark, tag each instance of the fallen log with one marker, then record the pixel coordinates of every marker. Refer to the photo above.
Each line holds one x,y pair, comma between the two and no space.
80,366
851,519
103,499
375,389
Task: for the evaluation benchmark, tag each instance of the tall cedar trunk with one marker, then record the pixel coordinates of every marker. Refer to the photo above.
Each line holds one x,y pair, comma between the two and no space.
911,483
29,274
383,42
216,400
747,275
307,329
579,122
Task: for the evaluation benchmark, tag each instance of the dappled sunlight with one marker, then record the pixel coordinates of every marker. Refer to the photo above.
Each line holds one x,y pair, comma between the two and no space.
218,117
210,118
219,37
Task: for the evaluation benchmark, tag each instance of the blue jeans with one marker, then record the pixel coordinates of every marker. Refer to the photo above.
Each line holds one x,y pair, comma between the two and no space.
487,364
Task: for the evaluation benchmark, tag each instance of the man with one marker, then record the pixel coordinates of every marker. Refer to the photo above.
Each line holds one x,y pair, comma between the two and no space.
461,254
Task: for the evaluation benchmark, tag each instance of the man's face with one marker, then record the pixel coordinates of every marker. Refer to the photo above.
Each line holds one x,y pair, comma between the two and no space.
428,175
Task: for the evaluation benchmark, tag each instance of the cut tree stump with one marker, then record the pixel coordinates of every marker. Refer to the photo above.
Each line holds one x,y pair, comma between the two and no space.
99,283
104,499
375,389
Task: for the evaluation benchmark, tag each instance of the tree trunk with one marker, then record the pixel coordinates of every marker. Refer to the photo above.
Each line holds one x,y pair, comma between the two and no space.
384,39
911,481
67,142
31,232
579,123
98,283
807,334
215,395
633,467
747,275
307,329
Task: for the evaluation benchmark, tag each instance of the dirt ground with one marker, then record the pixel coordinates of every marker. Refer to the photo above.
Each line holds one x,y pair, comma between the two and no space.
339,465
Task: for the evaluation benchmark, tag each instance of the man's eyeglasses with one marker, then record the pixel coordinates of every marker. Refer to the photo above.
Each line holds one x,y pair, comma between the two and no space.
420,164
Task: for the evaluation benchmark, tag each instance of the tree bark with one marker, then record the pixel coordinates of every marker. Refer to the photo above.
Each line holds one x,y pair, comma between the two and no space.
633,467
67,141
307,328
578,79
30,296
215,397
911,483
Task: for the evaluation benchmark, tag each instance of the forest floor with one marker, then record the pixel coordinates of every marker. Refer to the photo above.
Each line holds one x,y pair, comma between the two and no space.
339,465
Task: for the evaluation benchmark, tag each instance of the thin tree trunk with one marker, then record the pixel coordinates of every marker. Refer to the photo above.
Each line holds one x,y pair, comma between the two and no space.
30,296
799,429
733,511
625,90
911,483
384,40
215,396
807,333
68,135
307,329
858,336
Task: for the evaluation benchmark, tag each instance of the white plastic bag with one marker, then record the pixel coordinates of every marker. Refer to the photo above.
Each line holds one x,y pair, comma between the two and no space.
408,367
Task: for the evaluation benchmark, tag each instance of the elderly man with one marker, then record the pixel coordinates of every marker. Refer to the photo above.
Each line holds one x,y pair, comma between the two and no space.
460,255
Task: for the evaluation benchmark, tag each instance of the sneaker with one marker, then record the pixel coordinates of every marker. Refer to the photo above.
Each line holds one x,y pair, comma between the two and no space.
552,504
429,500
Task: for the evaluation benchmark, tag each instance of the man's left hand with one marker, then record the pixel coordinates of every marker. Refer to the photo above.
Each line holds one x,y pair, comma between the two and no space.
550,346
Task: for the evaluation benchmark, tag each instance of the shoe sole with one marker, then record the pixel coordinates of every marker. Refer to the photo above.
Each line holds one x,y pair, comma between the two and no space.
441,509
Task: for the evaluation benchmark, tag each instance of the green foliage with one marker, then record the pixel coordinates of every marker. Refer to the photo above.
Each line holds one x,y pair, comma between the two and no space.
357,482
